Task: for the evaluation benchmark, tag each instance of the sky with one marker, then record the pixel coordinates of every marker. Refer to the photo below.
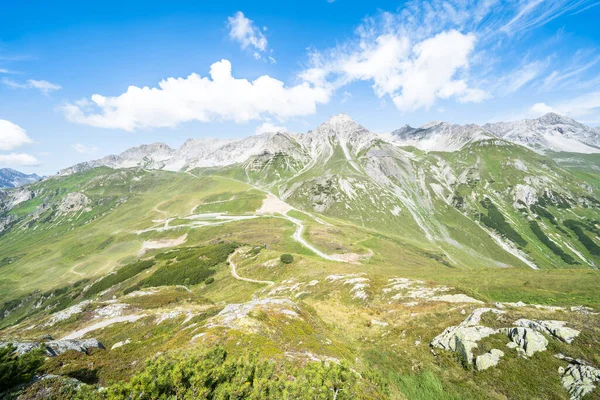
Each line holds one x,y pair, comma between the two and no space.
81,80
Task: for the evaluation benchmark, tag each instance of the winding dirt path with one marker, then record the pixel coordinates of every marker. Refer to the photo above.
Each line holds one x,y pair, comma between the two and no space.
240,278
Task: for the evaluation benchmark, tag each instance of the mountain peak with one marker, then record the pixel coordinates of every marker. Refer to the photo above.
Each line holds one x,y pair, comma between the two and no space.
555,118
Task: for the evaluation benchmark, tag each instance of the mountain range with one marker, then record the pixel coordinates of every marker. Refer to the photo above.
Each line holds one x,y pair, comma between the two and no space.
9,178
440,262
549,133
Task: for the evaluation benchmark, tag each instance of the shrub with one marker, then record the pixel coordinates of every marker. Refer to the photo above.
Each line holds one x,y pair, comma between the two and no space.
14,369
209,280
495,220
287,258
126,272
550,244
215,374
585,240
192,265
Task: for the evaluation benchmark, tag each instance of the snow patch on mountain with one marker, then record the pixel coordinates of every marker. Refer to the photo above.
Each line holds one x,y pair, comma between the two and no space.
550,132
439,136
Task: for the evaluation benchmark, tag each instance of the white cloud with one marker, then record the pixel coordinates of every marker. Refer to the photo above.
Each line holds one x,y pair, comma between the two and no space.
440,49
43,86
413,74
19,159
80,148
541,108
12,135
268,127
221,97
345,97
522,76
243,30
585,107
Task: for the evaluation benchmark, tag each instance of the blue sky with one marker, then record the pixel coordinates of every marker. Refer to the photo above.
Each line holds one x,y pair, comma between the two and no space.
79,81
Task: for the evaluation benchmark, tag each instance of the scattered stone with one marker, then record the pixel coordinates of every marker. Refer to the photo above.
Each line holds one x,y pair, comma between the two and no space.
237,315
584,310
488,360
120,344
67,313
379,323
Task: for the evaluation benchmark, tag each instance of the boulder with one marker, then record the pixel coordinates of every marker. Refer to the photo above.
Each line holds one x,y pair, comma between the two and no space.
527,339
57,347
488,360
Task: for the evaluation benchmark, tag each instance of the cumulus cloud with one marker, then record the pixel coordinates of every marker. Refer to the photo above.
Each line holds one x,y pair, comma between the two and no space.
19,159
43,86
12,135
267,127
413,74
80,148
220,97
438,49
243,30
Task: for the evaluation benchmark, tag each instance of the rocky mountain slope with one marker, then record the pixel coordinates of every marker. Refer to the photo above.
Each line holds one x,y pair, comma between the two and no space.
550,132
9,178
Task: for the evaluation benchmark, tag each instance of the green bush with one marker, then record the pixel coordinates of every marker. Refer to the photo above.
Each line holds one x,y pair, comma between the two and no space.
495,220
209,280
126,272
585,240
15,370
287,258
215,374
193,265
550,244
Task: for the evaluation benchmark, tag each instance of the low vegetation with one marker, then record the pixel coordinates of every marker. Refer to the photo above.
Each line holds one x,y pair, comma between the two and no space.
286,258
16,370
126,272
215,374
496,221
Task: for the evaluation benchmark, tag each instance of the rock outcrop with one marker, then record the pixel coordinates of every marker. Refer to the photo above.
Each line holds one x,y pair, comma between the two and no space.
54,348
554,328
464,337
578,378
527,339
74,202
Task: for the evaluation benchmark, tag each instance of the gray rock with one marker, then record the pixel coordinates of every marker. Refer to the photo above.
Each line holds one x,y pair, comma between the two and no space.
528,339
554,328
57,347
488,360
54,348
464,337
578,378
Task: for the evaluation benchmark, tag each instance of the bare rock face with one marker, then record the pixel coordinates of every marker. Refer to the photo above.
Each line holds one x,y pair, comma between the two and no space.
578,378
74,202
524,195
